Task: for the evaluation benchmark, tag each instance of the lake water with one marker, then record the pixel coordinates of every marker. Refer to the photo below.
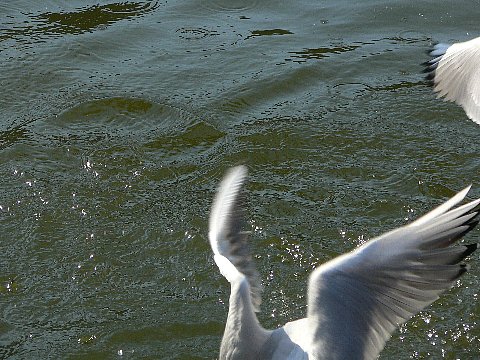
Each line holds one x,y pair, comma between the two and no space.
117,120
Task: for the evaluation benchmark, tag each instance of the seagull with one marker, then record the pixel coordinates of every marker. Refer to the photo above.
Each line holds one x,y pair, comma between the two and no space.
455,74
356,300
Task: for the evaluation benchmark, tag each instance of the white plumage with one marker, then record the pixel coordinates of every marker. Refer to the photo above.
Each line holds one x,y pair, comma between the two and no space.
455,73
355,301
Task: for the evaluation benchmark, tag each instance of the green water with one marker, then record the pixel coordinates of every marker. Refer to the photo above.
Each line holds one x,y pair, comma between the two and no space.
117,121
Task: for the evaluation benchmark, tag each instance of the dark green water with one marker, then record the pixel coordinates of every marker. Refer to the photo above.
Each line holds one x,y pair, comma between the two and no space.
117,121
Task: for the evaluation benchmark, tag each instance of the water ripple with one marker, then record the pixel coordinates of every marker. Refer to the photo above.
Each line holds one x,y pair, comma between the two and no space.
196,33
319,53
87,19
230,6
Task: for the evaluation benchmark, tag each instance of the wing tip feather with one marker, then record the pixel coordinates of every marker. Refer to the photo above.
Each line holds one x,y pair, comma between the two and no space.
463,269
470,248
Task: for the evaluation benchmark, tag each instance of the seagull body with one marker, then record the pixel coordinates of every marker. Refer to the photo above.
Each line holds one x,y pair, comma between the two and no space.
356,300
455,73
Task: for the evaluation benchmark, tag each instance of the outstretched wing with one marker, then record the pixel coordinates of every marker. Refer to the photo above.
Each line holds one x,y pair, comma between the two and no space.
227,235
455,73
357,300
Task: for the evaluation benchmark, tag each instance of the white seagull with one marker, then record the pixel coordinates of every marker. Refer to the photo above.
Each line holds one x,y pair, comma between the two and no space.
355,301
455,74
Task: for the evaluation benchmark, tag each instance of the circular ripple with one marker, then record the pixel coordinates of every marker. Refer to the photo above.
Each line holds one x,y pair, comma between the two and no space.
195,33
230,6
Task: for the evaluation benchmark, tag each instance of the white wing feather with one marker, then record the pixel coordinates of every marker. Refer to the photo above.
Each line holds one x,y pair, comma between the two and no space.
455,72
227,235
355,301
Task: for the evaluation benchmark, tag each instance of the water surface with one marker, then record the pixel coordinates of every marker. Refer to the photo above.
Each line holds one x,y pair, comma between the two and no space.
118,120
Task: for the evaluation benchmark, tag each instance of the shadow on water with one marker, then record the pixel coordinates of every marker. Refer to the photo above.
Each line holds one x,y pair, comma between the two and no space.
319,53
88,19
270,32
112,144
13,135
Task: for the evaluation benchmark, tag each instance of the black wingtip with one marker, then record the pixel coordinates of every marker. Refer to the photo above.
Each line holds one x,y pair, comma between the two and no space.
476,209
469,227
426,64
473,223
463,269
430,76
470,248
